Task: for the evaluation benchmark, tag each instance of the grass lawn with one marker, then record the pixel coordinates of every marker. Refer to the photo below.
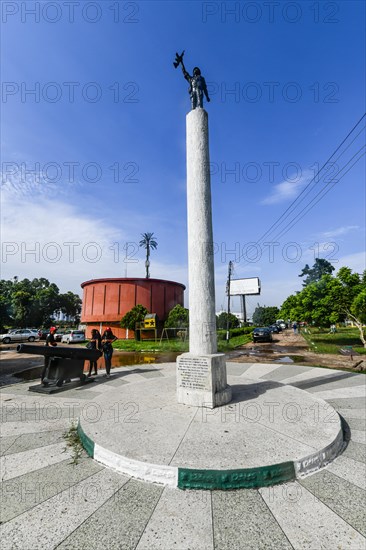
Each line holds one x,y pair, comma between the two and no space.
177,345
321,341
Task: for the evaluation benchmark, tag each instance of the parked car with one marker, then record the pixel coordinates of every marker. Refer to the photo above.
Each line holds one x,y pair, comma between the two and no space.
59,335
73,336
275,328
43,333
262,334
19,335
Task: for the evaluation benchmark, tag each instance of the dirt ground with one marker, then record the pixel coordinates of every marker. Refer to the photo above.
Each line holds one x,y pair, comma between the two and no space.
293,348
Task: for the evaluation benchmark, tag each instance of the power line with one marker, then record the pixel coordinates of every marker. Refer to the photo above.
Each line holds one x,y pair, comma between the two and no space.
322,192
279,222
307,186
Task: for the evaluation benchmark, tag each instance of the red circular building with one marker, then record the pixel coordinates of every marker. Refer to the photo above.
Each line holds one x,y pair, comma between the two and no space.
106,301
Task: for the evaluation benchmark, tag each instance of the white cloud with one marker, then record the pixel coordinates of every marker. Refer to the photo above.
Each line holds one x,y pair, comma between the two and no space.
288,189
43,236
356,261
339,231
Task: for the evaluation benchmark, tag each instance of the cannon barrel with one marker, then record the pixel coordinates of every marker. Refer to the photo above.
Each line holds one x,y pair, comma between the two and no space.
65,353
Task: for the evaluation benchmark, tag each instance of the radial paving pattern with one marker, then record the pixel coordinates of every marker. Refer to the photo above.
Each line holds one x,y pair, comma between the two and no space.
48,502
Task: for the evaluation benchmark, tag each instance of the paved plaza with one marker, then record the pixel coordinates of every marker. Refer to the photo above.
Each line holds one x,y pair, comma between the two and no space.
50,502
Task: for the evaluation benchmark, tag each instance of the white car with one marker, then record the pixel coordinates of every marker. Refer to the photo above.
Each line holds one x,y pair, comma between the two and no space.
19,335
73,336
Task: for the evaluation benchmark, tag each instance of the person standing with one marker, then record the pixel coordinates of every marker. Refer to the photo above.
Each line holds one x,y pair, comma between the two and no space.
95,342
50,341
107,339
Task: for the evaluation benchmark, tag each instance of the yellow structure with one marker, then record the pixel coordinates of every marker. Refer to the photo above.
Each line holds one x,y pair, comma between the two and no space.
150,320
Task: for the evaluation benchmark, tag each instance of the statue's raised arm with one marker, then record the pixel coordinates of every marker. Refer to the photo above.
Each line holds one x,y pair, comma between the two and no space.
197,84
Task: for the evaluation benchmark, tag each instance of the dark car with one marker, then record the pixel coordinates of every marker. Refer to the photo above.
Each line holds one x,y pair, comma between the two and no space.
43,333
274,328
262,334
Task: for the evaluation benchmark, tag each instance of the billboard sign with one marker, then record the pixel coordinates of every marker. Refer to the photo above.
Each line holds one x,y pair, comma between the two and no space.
240,287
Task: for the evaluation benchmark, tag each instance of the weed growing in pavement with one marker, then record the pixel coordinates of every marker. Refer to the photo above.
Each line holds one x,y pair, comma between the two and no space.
73,440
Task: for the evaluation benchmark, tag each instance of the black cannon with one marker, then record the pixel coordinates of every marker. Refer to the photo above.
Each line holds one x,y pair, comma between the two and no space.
61,364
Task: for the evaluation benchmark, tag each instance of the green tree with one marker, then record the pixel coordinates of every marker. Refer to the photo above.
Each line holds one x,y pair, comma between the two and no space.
178,317
22,298
70,304
290,308
314,274
264,315
331,300
357,313
5,304
149,243
32,303
46,301
349,298
135,315
221,321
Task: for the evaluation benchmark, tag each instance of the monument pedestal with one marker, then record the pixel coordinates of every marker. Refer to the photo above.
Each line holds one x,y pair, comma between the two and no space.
202,381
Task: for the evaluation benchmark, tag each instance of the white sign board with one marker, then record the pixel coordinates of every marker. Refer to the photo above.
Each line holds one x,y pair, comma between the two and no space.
238,287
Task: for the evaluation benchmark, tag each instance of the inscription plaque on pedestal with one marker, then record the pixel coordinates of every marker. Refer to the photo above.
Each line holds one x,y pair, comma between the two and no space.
194,373
201,380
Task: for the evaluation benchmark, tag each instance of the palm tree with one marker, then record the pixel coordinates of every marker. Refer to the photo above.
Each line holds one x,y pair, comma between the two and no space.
149,243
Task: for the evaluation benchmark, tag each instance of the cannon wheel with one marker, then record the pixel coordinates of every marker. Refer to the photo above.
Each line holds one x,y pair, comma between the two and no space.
83,377
6,341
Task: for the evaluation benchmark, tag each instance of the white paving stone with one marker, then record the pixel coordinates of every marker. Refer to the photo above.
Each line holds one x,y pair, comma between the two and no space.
349,469
353,391
308,523
181,520
48,524
352,413
259,370
358,436
27,461
28,427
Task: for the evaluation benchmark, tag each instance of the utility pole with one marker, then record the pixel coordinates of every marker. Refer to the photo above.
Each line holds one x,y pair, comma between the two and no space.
244,307
228,300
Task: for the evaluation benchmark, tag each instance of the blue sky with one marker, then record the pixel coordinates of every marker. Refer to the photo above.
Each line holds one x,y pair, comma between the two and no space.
95,155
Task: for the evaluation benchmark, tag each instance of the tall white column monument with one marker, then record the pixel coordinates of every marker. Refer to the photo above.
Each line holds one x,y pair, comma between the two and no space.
201,373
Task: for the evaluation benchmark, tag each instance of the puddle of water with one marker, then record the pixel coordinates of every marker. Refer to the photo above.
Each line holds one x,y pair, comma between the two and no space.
127,358
256,351
284,360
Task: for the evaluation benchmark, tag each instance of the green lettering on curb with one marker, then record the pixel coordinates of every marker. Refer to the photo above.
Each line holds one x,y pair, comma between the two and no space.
248,478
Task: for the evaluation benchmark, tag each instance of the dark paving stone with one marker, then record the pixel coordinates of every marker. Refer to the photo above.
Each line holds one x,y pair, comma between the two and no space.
348,403
357,424
27,491
152,374
49,412
356,451
237,369
285,371
330,380
6,442
26,442
242,520
341,496
120,522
